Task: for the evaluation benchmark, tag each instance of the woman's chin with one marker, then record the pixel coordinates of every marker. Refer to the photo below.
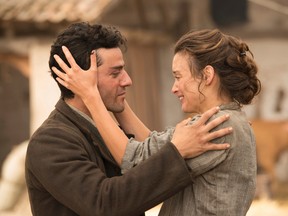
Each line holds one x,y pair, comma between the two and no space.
186,110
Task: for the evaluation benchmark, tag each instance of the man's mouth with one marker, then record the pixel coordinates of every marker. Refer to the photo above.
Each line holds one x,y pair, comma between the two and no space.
121,94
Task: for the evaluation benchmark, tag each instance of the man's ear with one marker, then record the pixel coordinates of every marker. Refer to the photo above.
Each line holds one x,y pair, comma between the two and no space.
209,74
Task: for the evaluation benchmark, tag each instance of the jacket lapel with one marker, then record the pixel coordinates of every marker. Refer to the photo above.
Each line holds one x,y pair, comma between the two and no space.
88,130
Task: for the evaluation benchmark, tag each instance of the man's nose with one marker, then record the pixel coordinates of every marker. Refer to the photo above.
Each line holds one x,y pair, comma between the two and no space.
126,80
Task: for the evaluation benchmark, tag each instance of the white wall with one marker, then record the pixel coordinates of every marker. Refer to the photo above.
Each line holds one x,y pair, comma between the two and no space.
271,55
44,91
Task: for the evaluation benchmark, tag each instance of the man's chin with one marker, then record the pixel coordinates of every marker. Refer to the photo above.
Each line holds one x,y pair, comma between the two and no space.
116,109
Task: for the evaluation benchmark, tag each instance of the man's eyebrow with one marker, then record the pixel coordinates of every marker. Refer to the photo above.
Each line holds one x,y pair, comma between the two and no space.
118,67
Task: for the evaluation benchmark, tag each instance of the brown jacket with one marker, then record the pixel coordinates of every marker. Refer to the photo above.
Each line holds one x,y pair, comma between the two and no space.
69,171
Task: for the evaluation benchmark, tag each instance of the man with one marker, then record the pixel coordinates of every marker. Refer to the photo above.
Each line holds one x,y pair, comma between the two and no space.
69,170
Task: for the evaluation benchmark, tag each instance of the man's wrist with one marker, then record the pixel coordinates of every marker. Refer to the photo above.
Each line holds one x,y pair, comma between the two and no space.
181,151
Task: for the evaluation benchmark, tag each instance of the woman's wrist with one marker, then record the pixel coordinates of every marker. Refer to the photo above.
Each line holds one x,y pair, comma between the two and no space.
91,95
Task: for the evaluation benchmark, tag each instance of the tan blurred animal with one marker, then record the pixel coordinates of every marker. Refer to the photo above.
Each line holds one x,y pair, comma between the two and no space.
271,140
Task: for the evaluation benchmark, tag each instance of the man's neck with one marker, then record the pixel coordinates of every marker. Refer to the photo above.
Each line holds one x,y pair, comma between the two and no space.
77,103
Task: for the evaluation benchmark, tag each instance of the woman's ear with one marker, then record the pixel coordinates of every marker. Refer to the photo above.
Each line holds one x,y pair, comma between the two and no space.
209,74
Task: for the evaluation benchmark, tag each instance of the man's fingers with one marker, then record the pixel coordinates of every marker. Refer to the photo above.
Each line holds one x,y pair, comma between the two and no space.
219,133
206,115
185,121
213,146
217,121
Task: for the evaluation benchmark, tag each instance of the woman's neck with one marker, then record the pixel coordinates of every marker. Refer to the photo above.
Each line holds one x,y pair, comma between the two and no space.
210,103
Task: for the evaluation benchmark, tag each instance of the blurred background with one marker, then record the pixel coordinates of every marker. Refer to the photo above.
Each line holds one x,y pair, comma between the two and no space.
28,93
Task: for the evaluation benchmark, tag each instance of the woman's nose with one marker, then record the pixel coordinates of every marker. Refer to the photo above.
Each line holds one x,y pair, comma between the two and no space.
174,88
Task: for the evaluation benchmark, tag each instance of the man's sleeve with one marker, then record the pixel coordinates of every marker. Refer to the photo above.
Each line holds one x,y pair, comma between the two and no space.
67,173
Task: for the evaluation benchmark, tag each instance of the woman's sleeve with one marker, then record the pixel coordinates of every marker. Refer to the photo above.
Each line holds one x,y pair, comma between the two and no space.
137,152
210,159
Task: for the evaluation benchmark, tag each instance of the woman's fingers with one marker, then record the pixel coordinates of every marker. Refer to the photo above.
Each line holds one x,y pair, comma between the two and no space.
59,73
93,61
61,77
61,63
70,59
76,79
62,82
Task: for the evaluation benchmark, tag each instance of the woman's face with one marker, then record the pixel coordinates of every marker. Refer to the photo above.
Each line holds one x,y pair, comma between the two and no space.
185,87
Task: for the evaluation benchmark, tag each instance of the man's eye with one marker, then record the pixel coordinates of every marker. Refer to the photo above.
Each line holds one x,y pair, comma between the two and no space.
115,74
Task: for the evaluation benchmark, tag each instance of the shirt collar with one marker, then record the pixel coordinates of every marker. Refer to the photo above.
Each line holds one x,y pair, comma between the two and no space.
82,114
230,106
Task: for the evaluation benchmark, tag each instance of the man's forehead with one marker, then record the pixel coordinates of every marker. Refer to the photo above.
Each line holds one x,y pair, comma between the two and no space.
108,51
111,57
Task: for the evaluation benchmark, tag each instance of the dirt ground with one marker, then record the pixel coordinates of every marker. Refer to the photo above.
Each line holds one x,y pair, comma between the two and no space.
278,206
268,208
258,208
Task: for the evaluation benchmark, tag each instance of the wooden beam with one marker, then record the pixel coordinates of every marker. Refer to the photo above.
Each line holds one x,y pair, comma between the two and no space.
140,7
146,36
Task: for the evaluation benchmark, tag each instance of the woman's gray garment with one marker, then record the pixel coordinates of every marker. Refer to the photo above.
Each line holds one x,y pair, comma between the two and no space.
222,182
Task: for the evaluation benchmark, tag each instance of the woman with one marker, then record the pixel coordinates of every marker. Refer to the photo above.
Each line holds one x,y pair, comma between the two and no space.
210,69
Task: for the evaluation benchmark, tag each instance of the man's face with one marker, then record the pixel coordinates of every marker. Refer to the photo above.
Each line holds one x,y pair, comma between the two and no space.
112,79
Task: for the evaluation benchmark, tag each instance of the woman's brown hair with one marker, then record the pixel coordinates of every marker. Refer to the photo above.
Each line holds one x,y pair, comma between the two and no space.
230,57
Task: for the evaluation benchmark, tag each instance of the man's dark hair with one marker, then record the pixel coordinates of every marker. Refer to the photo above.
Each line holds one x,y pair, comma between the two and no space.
81,39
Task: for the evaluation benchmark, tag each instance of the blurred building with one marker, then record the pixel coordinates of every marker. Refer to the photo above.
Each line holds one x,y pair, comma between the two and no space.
28,28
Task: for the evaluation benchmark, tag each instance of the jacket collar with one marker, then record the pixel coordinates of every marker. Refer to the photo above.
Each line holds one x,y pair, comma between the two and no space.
86,127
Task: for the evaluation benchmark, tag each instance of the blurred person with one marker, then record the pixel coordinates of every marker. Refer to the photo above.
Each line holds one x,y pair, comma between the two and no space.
271,142
210,69
12,182
69,170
